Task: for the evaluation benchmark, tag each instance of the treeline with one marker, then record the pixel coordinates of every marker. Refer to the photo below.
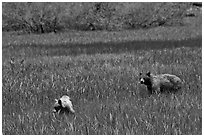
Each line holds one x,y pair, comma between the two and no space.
33,17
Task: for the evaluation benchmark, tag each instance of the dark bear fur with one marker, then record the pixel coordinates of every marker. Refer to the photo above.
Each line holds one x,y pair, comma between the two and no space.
160,83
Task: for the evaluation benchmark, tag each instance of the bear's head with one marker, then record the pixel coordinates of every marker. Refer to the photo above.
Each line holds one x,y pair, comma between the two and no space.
146,79
57,105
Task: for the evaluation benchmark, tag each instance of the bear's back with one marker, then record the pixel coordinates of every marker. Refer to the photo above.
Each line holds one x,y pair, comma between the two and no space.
166,81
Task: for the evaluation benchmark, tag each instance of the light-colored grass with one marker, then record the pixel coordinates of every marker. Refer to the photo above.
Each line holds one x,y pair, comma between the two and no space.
105,93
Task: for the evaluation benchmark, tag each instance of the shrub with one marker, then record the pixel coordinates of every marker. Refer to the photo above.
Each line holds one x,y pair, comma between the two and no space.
32,17
53,17
156,14
99,16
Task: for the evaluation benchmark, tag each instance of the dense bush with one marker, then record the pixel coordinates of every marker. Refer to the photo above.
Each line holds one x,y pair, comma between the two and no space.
32,17
101,16
53,17
157,14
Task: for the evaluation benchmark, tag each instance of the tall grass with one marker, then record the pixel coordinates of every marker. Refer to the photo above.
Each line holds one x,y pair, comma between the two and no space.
86,37
104,90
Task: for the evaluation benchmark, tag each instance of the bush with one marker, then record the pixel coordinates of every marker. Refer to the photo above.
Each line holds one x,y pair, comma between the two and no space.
32,17
53,17
100,16
156,14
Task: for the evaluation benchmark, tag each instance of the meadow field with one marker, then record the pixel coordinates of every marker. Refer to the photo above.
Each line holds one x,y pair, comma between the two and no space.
102,79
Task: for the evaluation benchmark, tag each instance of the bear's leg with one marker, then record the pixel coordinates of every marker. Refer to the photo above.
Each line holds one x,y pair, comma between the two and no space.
158,90
150,92
149,88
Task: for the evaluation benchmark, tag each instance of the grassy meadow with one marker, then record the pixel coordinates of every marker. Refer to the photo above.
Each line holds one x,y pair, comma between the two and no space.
102,80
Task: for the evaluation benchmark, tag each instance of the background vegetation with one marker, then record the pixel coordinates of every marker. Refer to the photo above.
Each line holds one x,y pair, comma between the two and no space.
52,17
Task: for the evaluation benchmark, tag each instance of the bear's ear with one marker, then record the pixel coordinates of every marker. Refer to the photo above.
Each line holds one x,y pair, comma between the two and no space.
148,74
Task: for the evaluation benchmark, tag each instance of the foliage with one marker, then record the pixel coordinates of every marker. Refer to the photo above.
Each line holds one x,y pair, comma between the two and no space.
53,17
157,14
100,16
32,17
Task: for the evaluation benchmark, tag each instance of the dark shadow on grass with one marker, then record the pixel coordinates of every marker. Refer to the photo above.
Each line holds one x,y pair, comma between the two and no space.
100,48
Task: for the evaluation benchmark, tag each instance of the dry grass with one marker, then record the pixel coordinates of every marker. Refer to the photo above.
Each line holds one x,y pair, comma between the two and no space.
104,89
